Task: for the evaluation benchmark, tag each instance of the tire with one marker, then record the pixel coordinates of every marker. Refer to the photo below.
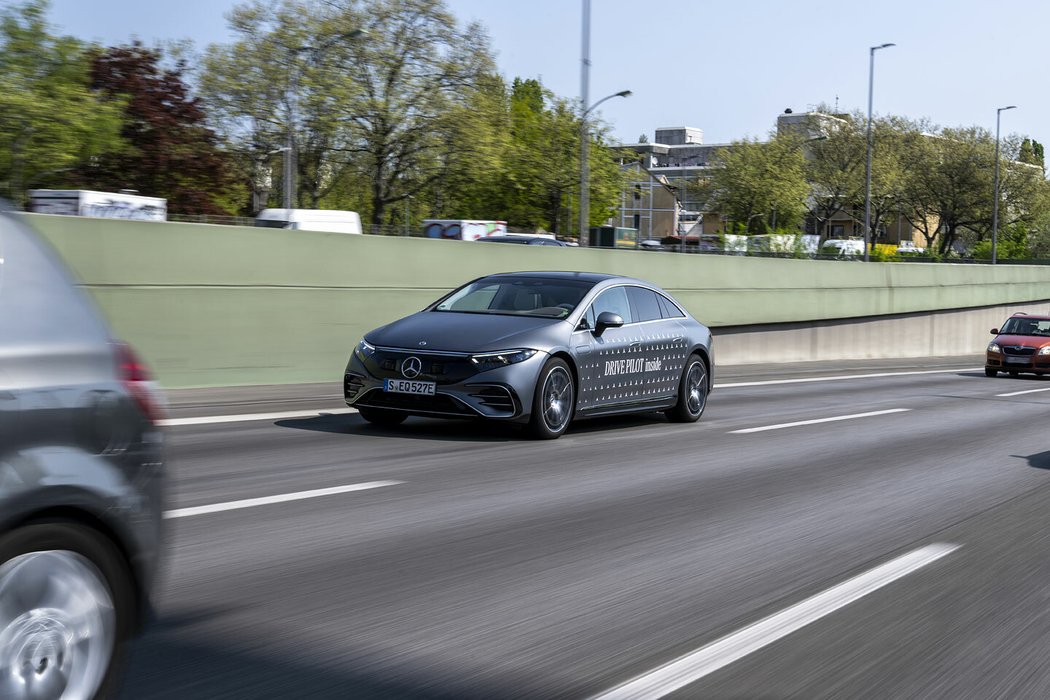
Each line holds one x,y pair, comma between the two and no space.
70,583
381,416
693,388
553,402
1013,373
989,372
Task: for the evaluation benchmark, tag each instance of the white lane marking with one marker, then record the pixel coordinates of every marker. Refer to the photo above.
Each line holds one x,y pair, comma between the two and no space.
840,378
243,417
279,498
707,659
1026,391
820,420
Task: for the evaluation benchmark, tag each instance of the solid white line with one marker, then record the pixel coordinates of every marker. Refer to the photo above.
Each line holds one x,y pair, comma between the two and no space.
840,378
820,420
280,498
243,417
707,659
1026,391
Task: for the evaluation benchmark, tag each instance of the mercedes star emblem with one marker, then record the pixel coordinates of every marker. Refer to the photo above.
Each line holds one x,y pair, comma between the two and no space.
411,367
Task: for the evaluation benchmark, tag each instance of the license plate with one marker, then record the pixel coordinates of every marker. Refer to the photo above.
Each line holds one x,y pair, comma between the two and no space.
1017,360
407,386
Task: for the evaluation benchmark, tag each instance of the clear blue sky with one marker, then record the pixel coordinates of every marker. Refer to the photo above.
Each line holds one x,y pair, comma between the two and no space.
727,67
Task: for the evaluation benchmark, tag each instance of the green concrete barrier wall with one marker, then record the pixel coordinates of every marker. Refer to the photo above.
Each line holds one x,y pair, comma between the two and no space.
217,305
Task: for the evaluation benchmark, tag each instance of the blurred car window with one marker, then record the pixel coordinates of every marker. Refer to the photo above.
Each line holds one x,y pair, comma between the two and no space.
614,300
644,304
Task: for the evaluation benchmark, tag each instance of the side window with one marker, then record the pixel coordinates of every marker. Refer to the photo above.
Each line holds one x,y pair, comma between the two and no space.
644,304
614,300
668,308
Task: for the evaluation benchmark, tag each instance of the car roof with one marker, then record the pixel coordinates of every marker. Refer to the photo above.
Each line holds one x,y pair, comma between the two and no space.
570,275
1037,317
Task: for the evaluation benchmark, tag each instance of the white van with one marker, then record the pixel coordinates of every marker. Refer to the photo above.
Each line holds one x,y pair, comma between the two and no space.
310,220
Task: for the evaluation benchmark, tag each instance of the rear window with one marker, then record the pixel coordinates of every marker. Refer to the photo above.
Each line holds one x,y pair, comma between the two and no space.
645,306
668,307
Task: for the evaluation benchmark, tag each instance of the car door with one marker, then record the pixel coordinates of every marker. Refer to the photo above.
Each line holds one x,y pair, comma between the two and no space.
611,374
662,341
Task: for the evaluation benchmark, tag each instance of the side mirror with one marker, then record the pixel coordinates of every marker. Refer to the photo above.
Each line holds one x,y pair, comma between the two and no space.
606,319
995,331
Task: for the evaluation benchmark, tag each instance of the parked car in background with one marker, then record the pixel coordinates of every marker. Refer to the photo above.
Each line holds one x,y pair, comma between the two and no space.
524,239
909,248
537,348
81,483
843,247
1021,345
332,220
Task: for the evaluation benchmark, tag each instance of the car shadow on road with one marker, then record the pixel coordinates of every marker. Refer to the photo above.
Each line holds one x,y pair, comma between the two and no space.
169,662
460,430
413,428
1040,460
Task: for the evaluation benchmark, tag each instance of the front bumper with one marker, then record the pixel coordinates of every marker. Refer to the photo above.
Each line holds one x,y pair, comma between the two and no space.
504,393
1017,363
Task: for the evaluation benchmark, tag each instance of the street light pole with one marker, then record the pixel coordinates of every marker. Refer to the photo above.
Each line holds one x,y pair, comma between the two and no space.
293,88
585,166
867,167
995,203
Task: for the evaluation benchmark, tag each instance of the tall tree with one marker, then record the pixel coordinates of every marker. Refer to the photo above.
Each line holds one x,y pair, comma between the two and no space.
50,121
172,153
755,183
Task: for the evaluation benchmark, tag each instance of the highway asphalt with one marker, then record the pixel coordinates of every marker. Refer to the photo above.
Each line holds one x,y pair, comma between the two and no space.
765,552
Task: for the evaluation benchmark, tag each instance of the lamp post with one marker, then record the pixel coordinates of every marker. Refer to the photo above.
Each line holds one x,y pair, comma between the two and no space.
293,79
867,167
585,166
995,202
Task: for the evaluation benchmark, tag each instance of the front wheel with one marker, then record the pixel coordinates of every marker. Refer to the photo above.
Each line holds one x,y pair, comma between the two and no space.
67,603
381,417
989,372
692,392
553,402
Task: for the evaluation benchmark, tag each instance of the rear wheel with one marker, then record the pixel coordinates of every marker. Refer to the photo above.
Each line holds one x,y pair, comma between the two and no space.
692,392
67,603
553,402
381,416
989,372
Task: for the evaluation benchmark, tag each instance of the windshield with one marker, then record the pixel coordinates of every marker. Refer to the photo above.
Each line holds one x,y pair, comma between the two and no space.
518,296
1026,326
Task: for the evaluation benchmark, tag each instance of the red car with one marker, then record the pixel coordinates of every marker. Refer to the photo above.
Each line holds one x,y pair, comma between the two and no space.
1021,345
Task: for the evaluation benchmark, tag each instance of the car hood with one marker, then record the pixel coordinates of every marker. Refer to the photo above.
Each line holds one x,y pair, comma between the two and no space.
464,332
1025,341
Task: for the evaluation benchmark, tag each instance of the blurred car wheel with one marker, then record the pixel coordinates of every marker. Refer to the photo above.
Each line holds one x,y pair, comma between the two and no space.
988,372
66,606
692,392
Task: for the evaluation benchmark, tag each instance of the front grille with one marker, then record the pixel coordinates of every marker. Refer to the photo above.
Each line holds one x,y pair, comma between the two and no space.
498,398
443,369
438,403
1017,350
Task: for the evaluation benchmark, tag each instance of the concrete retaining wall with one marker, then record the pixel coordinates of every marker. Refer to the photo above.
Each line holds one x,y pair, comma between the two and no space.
216,305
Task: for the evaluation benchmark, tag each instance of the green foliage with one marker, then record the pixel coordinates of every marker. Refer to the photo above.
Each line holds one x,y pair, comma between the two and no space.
758,185
50,121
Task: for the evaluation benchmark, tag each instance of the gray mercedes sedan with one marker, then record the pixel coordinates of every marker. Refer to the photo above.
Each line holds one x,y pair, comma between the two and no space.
539,348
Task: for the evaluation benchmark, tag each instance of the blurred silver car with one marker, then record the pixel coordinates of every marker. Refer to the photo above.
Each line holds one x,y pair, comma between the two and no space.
81,482
539,348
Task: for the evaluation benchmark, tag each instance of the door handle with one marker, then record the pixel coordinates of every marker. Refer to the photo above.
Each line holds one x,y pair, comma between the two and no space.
636,345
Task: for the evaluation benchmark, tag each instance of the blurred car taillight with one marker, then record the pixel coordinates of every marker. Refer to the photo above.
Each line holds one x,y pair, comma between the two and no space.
139,383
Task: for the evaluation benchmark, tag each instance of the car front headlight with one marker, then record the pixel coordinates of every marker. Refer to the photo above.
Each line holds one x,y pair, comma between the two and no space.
364,350
992,347
492,360
1045,350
